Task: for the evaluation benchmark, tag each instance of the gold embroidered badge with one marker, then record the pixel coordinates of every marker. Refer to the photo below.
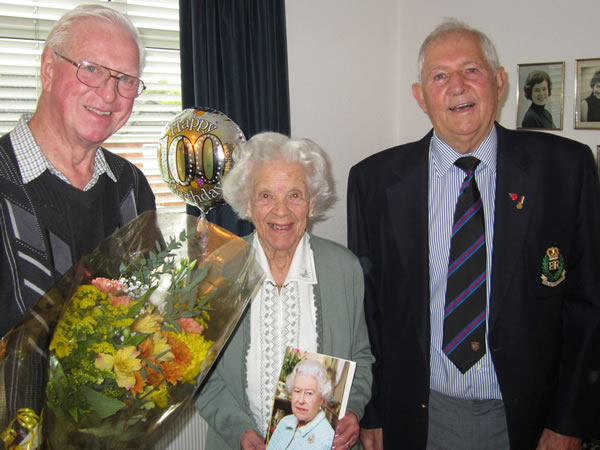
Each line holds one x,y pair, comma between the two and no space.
553,267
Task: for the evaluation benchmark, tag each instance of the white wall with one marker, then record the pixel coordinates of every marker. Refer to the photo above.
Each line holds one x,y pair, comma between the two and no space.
343,69
352,64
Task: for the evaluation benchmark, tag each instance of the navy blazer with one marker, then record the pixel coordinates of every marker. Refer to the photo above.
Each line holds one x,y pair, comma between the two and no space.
544,341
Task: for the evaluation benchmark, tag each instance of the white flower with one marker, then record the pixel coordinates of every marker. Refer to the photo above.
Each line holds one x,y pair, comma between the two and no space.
158,297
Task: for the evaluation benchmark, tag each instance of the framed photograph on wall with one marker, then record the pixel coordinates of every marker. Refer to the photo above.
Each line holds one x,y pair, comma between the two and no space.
587,93
540,95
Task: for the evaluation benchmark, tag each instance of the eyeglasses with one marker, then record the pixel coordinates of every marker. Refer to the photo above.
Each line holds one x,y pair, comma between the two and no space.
94,75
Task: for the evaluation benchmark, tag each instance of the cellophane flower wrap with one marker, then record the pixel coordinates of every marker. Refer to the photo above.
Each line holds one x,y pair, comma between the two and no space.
126,337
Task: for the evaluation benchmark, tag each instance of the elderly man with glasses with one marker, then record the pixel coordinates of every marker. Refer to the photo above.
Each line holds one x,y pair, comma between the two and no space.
62,193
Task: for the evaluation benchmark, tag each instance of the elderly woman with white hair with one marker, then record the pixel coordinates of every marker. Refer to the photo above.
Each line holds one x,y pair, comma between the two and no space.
307,427
312,296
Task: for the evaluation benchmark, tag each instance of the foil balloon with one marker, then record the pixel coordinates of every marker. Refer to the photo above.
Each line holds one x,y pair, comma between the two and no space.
194,153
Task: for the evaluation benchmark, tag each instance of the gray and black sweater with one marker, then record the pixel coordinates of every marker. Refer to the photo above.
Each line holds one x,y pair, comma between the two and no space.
46,225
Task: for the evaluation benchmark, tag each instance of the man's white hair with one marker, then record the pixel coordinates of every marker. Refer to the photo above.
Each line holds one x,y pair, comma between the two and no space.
449,26
59,38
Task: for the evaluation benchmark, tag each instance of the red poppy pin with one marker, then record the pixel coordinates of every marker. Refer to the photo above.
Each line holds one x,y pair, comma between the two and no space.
520,199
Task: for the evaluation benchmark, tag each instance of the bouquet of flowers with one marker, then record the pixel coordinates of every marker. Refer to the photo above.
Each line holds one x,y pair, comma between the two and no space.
130,333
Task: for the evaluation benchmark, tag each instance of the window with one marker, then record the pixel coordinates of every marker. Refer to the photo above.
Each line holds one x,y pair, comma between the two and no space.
24,25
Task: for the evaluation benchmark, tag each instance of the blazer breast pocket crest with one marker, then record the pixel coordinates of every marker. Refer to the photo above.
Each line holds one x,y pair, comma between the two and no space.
553,267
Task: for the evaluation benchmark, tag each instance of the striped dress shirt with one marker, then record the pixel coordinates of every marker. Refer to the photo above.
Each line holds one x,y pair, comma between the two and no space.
445,179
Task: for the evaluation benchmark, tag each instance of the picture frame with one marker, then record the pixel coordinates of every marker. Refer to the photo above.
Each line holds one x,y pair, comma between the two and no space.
598,160
340,373
540,95
587,89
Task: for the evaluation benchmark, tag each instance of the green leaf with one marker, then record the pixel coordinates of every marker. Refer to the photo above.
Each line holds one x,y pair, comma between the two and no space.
191,301
56,374
134,340
174,324
73,413
134,308
103,405
104,429
153,366
200,275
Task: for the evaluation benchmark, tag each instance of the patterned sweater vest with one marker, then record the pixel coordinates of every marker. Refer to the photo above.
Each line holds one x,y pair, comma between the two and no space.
46,225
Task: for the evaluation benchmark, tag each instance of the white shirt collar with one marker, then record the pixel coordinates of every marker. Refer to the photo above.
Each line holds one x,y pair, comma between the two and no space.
445,156
302,268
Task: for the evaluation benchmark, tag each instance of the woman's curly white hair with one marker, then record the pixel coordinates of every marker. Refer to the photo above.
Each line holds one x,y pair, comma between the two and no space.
267,147
314,369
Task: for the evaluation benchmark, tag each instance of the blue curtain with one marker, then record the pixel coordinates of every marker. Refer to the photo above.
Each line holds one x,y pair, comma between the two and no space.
234,59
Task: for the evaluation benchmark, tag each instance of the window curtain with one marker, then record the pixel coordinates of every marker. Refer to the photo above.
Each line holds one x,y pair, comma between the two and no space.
234,59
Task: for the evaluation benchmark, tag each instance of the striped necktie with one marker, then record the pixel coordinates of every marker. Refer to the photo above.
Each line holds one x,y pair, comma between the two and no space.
465,310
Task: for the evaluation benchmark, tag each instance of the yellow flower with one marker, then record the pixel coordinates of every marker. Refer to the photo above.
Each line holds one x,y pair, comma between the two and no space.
61,344
85,325
125,364
160,397
87,296
123,323
88,321
199,348
148,323
104,361
161,350
102,347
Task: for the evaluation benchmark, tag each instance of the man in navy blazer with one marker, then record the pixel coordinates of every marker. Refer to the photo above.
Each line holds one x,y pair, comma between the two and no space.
538,384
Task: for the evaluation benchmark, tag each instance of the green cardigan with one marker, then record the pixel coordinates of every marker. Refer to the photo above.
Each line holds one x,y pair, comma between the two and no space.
342,332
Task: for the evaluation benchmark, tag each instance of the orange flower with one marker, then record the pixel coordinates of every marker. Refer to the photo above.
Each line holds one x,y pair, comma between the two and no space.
154,377
190,325
138,387
107,286
158,349
174,370
3,345
145,348
182,353
120,300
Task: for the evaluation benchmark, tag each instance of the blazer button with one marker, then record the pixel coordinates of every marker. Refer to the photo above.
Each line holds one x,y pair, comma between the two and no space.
423,405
